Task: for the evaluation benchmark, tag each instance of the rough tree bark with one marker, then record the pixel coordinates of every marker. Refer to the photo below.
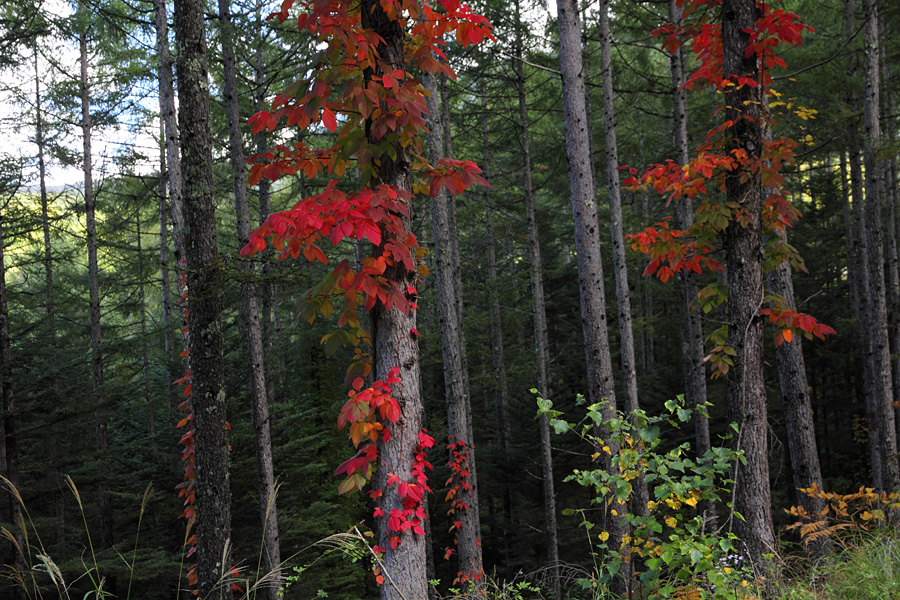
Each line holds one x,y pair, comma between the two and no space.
889,203
498,360
617,231
852,267
259,405
456,381
168,117
620,266
587,243
880,413
541,342
268,292
204,281
745,392
860,262
798,414
693,349
395,346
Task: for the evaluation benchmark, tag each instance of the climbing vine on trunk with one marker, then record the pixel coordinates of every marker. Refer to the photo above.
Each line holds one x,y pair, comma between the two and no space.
364,89
673,250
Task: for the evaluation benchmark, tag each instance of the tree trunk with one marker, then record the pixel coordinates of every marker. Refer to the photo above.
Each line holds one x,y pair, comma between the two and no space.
647,351
798,414
42,179
168,117
165,286
9,414
456,388
498,360
267,288
145,352
890,199
395,346
456,262
259,406
106,526
601,386
881,415
693,349
745,392
620,264
860,249
541,342
59,497
204,280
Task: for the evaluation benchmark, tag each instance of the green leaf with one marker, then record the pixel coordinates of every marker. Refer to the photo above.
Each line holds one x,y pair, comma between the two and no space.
650,435
332,343
559,426
347,485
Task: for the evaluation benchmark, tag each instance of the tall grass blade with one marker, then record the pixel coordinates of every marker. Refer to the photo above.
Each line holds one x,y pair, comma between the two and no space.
147,493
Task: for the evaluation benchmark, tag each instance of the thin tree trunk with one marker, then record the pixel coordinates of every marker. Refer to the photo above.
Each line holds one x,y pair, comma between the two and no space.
541,342
394,347
168,116
881,415
798,414
648,339
498,351
145,352
259,406
456,389
693,350
617,230
456,262
601,386
42,179
59,497
745,392
276,363
11,471
106,527
852,270
204,280
890,204
861,253
165,286
267,289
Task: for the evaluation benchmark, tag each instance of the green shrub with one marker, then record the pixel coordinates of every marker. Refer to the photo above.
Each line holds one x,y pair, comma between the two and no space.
668,550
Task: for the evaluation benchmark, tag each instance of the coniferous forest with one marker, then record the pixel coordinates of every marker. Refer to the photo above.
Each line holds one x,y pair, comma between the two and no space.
419,299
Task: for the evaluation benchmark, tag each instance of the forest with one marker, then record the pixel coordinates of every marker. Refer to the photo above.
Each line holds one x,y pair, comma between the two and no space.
419,299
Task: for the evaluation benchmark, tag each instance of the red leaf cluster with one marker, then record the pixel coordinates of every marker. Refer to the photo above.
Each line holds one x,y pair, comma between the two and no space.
673,251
